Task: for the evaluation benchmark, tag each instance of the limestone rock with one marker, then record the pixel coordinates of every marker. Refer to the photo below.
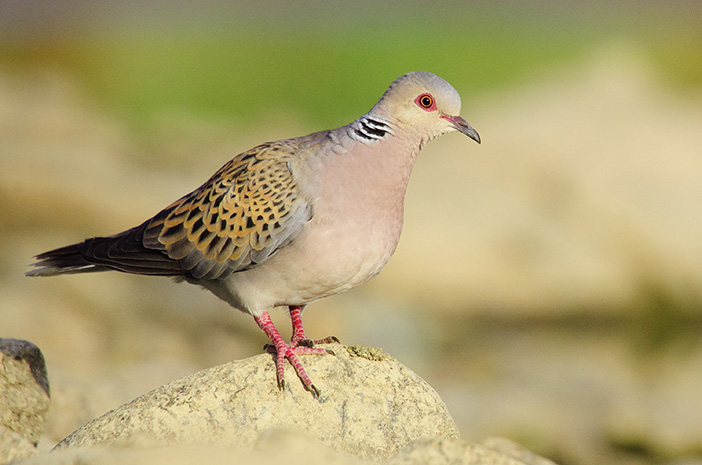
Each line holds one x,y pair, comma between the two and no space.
25,397
293,447
516,451
14,446
274,446
370,406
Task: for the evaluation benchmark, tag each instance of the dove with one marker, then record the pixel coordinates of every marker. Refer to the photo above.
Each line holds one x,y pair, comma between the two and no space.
288,222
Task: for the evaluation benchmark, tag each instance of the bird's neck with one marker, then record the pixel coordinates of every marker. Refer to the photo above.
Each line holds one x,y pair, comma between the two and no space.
370,129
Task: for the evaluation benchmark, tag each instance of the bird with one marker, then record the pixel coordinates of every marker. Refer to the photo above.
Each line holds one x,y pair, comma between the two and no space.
288,222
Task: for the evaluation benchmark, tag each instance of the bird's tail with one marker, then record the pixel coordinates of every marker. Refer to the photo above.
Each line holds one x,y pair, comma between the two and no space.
124,252
65,260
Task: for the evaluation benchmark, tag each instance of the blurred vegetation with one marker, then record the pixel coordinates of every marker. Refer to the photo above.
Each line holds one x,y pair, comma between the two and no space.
143,60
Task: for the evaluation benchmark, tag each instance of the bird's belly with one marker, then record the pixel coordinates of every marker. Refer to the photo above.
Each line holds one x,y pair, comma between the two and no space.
324,260
352,259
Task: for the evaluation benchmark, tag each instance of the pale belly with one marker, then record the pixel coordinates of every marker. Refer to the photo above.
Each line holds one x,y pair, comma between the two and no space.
323,261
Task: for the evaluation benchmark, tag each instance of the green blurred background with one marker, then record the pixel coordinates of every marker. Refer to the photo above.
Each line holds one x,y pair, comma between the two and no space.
548,282
244,59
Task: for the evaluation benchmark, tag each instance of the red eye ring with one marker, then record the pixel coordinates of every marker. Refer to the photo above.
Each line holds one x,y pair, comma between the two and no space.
425,102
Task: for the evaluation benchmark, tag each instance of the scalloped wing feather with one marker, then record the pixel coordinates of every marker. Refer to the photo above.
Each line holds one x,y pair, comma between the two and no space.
238,219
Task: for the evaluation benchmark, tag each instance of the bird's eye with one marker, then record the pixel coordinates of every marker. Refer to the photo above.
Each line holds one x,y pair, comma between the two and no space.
425,102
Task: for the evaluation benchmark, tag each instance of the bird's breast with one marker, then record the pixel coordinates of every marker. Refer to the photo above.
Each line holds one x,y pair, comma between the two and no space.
357,213
357,203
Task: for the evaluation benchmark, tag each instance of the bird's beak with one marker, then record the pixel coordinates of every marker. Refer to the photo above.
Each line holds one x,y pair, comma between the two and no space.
462,126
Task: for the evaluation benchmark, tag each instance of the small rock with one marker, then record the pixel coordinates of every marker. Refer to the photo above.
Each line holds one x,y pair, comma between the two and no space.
14,446
369,407
25,396
516,451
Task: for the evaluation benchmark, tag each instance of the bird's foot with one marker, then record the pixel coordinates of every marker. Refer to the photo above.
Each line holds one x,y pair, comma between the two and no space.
283,351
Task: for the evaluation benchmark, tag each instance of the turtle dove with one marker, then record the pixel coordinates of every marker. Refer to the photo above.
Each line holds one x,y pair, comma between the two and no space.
288,222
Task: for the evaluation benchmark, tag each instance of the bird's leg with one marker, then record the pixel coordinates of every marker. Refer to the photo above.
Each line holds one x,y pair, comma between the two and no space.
284,350
298,336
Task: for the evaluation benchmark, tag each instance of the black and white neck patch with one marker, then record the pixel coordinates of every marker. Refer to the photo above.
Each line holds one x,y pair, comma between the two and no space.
371,129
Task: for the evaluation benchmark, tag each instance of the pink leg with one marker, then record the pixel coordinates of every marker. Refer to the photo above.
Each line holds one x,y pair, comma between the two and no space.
298,337
284,350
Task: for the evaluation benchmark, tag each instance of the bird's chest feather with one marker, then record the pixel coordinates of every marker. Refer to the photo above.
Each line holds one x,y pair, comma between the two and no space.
357,215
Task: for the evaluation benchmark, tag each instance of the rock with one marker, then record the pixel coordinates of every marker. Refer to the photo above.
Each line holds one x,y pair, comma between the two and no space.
274,446
370,406
25,398
516,451
285,445
371,410
294,447
454,451
76,400
14,446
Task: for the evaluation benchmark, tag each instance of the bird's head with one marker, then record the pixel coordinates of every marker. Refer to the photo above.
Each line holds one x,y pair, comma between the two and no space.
425,104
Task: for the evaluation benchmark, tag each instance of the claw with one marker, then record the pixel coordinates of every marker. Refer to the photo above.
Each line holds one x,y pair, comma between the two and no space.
328,340
305,343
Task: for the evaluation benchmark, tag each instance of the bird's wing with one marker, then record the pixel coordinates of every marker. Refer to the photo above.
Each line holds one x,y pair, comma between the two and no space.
238,219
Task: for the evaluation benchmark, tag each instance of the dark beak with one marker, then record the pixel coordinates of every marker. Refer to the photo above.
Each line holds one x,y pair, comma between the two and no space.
462,126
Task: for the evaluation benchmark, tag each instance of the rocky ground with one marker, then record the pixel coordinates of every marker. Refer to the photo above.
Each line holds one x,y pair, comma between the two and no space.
547,284
383,414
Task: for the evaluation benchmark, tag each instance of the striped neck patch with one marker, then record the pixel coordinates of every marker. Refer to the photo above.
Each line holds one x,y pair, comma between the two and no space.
371,129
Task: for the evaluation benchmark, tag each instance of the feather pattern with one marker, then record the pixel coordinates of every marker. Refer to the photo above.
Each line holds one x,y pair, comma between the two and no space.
238,219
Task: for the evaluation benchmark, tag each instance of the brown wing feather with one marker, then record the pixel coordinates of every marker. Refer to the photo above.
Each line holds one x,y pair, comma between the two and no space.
239,218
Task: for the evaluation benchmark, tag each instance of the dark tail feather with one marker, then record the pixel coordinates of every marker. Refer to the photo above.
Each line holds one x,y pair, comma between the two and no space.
63,261
122,252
